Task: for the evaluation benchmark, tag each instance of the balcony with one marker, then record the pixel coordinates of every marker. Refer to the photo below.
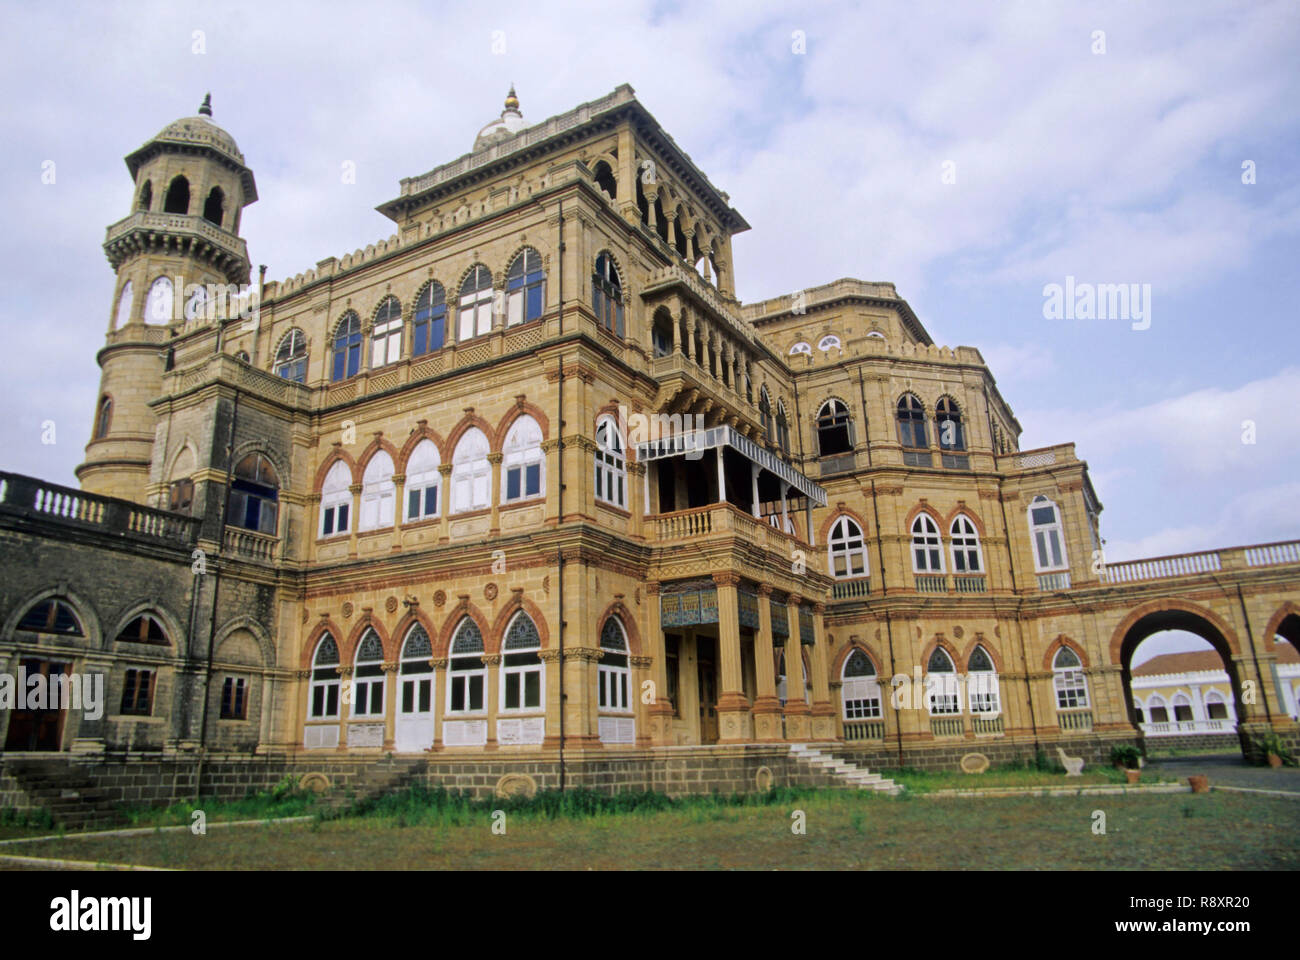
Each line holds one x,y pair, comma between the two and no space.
1054,581
988,726
850,589
1080,720
969,583
223,249
720,520
1172,728
250,545
947,727
931,583
859,730
39,501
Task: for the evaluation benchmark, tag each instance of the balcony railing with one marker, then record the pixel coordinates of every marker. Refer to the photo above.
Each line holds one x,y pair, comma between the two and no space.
251,545
969,583
856,730
930,583
1054,581
1175,727
988,726
179,224
1161,567
847,589
947,726
1074,719
75,508
719,518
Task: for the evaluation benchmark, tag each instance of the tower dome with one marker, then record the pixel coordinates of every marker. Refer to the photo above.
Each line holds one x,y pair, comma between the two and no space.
197,134
508,124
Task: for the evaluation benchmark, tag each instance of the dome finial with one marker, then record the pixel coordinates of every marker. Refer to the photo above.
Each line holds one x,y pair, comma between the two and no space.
512,102
205,110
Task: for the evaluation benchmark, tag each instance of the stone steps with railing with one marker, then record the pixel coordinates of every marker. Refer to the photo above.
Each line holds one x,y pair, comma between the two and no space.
846,771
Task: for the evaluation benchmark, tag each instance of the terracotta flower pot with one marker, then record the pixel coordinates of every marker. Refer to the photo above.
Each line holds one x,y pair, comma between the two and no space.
1200,784
1274,760
1133,775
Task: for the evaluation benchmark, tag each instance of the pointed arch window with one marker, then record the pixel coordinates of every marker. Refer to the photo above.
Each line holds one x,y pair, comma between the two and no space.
521,464
124,303
911,422
982,683
782,428
947,422
146,196
471,474
325,680
254,495
178,196
604,178
834,429
51,616
368,677
1069,680
291,357
927,546
214,206
415,675
103,417
860,688
475,317
158,308
765,413
467,676
522,672
965,546
347,348
1048,536
611,464
613,675
386,335
429,328
847,550
336,500
607,295
942,691
377,493
145,628
525,288
423,481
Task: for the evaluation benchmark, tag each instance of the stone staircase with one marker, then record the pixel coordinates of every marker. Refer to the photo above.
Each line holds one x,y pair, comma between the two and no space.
849,774
71,797
375,780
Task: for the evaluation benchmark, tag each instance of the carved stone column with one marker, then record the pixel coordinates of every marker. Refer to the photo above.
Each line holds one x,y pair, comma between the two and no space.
493,663
495,458
660,712
733,706
444,507
355,490
767,708
823,711
797,721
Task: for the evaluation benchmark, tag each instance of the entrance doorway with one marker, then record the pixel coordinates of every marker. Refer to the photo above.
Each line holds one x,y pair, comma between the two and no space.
37,729
706,660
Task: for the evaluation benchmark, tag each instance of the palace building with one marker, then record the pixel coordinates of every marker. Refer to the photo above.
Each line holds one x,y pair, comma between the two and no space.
524,490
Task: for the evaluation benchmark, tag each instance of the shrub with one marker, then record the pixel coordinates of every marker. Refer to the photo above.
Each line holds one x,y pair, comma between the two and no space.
1125,755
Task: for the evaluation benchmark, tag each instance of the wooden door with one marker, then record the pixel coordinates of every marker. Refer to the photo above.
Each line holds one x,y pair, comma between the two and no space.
708,694
37,729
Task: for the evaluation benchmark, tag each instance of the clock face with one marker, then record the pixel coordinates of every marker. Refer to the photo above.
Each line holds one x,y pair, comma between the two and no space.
196,305
160,302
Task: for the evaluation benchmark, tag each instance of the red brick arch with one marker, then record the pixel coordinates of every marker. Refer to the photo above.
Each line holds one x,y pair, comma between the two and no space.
338,453
993,652
442,646
1286,610
948,648
413,616
373,447
1156,606
963,510
837,665
840,510
469,420
313,639
629,626
516,411
1063,641
348,652
919,509
421,432
503,619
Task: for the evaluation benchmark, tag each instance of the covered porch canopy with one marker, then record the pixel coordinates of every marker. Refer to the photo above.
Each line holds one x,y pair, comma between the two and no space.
720,465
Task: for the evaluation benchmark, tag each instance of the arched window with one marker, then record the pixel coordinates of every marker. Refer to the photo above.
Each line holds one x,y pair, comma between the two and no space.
178,197
834,429
521,463
471,474
1157,708
613,678
521,670
347,348
475,318
254,495
860,688
103,417
386,335
947,421
466,673
146,196
765,413
325,680
828,343
604,178
847,549
525,288
377,493
982,683
927,549
801,347
291,357
911,422
145,628
196,305
423,481
336,500
1182,707
1215,706
607,295
662,334
965,546
1049,540
368,677
1069,680
941,686
415,689
213,211
242,356
429,328
782,428
158,308
611,465
51,616
124,303
782,684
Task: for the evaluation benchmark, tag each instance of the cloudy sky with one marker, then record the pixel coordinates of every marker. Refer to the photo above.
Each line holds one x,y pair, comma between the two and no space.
971,153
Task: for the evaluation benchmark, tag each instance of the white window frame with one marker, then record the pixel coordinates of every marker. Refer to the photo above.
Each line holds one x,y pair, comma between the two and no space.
324,684
517,299
828,342
614,682
378,493
860,695
386,338
534,666
422,474
1070,682
611,464
362,697
522,450
474,310
336,493
160,301
942,689
1044,536
802,347
415,680
840,546
471,473
964,545
463,678
929,541
983,690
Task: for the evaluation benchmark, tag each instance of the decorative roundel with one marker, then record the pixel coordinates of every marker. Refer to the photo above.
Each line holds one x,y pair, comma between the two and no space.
974,763
490,591
347,610
391,604
439,597
958,632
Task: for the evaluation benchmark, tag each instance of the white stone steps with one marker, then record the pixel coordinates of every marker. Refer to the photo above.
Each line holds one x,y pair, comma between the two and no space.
844,770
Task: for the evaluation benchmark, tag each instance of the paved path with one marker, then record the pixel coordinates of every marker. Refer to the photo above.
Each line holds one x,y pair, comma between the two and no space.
1227,770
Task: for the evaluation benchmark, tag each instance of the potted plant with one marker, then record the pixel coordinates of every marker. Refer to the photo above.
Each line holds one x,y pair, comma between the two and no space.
1127,757
1271,745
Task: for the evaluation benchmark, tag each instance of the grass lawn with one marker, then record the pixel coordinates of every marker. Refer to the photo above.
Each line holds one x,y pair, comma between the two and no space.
928,781
844,831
